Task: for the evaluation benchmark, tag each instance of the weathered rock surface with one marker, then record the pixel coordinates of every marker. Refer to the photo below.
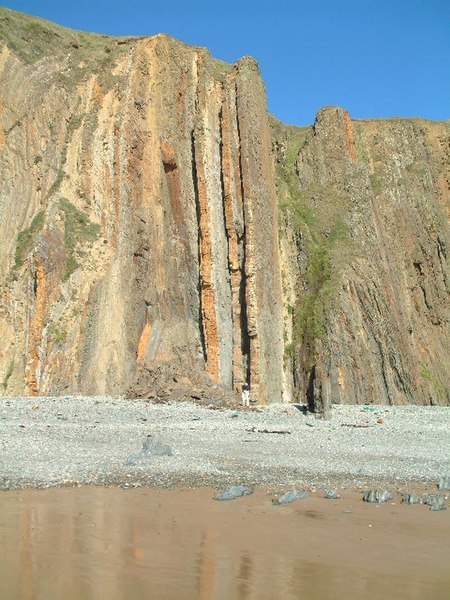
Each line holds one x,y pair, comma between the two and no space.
365,244
444,484
289,497
435,502
161,237
151,447
376,496
234,491
411,499
331,495
138,216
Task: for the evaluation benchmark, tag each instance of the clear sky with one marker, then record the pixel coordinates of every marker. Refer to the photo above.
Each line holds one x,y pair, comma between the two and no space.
376,58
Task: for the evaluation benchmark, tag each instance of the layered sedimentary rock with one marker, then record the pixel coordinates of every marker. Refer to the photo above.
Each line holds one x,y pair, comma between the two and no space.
365,252
159,234
138,216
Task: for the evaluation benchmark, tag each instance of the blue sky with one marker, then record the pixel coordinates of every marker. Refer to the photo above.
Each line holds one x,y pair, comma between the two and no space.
376,58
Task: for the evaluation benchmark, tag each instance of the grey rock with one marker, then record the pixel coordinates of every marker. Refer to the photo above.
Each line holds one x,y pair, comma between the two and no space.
377,496
150,447
289,497
444,484
435,502
234,491
331,495
155,447
411,499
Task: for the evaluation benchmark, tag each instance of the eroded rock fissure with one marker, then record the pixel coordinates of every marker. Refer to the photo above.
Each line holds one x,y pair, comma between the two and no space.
232,205
243,322
231,200
197,211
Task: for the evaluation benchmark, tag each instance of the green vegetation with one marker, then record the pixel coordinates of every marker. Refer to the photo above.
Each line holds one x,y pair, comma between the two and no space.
74,123
32,39
8,374
433,379
321,279
37,159
77,228
317,216
16,123
220,68
375,183
58,335
27,238
57,183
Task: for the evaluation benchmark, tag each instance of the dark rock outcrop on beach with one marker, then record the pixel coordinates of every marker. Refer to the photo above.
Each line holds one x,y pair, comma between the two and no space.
161,234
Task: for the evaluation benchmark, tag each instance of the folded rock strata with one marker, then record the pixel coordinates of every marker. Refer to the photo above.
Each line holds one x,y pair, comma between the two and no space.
158,228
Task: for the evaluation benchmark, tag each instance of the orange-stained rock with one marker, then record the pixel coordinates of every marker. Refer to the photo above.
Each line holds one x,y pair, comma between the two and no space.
157,228
149,171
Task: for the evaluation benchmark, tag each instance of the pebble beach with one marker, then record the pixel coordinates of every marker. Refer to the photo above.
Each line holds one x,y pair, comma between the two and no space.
70,441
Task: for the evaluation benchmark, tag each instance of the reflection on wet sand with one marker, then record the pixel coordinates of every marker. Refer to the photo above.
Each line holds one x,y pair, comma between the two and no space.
89,543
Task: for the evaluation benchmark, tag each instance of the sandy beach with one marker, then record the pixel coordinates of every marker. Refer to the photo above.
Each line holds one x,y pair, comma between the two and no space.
92,543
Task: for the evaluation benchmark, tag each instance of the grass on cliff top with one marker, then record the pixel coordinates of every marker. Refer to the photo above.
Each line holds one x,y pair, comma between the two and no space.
77,228
32,39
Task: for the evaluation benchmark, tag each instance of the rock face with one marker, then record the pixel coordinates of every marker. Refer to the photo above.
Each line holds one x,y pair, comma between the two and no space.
365,258
156,228
138,215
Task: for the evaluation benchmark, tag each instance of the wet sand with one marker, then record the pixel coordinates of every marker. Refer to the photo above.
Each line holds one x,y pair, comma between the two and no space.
90,543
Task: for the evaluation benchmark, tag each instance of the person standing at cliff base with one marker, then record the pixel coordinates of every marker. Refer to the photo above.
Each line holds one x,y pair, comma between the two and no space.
245,394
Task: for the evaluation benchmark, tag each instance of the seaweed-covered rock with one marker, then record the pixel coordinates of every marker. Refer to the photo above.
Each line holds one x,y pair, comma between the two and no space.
234,491
289,497
377,496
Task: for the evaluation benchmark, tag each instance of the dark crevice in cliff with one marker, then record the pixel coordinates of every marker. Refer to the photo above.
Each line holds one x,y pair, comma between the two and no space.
35,283
245,337
384,373
197,212
310,396
227,225
401,378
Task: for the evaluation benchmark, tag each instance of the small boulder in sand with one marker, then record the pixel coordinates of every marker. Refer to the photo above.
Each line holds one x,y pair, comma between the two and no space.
331,495
289,497
377,496
150,447
444,484
411,499
435,502
234,491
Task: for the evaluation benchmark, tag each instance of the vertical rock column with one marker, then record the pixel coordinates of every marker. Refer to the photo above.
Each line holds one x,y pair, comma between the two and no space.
240,284
235,230
213,247
262,264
